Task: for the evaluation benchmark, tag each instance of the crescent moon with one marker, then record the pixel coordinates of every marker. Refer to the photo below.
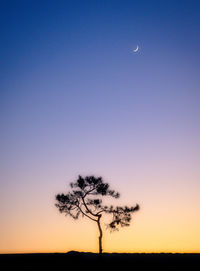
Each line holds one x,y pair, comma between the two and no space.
137,48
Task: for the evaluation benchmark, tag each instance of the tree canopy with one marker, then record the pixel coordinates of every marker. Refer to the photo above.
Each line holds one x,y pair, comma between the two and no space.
86,199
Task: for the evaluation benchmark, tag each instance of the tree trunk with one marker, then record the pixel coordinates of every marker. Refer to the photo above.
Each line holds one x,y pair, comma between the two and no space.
100,234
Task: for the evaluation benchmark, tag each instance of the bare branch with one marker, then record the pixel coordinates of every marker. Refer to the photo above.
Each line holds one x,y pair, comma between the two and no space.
86,214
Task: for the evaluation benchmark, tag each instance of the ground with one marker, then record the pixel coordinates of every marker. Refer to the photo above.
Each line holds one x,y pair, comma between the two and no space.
107,261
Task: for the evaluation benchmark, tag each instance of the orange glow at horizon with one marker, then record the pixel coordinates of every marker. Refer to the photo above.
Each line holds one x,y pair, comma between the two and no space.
161,227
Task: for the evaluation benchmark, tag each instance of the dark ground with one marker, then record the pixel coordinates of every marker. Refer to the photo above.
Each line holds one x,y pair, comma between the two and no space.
107,261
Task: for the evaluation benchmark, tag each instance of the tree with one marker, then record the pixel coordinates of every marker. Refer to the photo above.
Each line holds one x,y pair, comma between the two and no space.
86,199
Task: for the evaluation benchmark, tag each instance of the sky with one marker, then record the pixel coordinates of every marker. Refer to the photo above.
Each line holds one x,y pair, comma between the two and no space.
75,99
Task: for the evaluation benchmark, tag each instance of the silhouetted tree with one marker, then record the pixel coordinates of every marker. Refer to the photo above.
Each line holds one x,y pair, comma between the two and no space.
85,199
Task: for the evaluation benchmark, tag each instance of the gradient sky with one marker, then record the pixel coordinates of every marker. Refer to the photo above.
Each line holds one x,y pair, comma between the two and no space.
74,99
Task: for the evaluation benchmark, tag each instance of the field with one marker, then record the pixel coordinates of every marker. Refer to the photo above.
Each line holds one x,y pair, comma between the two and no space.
107,261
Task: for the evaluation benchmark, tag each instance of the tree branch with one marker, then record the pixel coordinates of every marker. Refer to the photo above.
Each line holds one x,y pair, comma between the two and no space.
85,213
89,211
88,192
